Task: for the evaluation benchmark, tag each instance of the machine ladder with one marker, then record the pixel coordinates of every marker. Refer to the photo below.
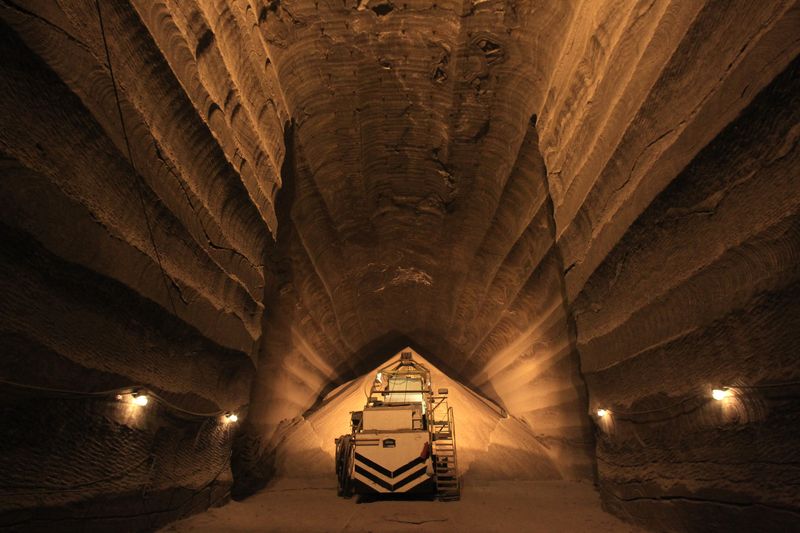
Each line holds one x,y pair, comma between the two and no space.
443,435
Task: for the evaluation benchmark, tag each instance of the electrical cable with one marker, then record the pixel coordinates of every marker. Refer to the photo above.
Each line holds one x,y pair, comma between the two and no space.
137,181
166,281
768,385
133,166
60,393
65,392
656,410
696,396
148,222
193,413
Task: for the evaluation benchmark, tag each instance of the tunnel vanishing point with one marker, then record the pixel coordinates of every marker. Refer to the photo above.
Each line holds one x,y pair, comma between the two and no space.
216,212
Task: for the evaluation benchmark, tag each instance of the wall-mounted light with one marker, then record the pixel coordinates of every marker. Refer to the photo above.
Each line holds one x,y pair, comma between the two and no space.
231,417
720,394
602,412
140,399
134,397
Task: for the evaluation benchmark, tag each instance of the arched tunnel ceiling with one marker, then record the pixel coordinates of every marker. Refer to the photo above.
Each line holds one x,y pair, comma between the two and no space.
449,173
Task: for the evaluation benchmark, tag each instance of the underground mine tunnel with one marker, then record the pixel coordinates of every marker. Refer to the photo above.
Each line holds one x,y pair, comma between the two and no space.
222,218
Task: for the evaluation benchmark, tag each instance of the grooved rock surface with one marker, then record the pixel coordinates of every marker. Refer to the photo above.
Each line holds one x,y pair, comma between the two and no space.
702,292
86,231
95,463
563,205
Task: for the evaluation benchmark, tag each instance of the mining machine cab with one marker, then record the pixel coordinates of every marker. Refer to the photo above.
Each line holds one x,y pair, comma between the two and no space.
403,441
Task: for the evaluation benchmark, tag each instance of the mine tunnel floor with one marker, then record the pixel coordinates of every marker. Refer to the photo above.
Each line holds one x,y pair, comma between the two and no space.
304,505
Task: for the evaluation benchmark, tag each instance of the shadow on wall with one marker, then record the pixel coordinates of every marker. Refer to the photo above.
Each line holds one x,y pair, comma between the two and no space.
252,462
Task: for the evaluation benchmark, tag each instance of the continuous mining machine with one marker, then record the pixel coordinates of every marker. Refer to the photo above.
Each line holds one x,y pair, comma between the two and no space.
403,441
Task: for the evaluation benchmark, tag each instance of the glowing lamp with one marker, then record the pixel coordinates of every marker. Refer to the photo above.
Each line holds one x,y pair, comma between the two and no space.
231,417
720,394
140,399
602,412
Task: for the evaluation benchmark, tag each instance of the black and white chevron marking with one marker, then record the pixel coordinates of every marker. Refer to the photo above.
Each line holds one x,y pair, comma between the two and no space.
362,463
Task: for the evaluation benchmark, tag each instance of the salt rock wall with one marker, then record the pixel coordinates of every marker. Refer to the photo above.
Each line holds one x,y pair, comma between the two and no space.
132,257
419,210
636,95
550,140
204,194
673,179
702,293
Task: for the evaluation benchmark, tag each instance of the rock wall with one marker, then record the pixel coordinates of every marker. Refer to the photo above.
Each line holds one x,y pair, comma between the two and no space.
674,189
702,293
420,212
120,270
200,195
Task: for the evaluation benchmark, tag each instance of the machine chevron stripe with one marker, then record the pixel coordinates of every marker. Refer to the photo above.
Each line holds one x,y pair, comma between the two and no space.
408,466
372,477
411,477
386,472
388,486
373,465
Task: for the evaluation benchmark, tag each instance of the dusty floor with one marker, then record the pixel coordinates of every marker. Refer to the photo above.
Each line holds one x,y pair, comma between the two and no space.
306,506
